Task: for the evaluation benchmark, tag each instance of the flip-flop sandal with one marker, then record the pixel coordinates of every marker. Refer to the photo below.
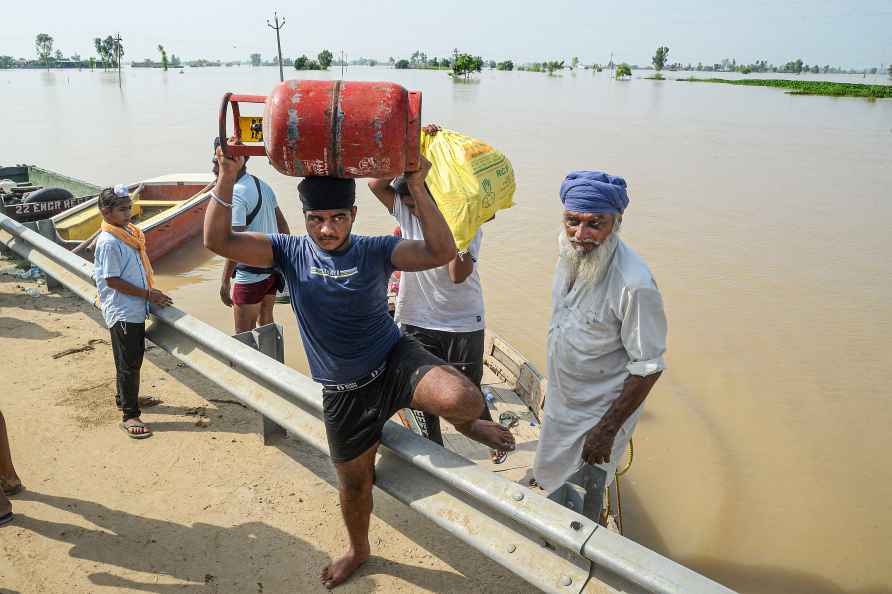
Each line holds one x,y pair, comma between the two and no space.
126,429
508,419
500,456
6,518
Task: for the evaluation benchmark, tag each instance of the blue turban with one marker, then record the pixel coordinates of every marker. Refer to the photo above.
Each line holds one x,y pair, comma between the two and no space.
594,191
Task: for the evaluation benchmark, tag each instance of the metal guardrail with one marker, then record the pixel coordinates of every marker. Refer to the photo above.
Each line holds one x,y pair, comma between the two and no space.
549,546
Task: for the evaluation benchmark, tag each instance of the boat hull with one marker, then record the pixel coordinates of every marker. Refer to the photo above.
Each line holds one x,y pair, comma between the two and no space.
17,208
172,214
182,226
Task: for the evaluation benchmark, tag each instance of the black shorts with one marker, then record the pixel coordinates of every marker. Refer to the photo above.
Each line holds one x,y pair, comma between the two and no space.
462,350
354,419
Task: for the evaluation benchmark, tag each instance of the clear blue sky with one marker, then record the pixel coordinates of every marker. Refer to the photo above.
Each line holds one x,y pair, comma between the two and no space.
846,33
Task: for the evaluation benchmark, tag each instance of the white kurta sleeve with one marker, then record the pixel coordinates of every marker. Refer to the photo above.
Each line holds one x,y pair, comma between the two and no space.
643,330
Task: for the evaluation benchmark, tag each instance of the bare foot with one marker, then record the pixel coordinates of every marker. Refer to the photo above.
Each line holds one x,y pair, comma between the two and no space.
339,571
490,434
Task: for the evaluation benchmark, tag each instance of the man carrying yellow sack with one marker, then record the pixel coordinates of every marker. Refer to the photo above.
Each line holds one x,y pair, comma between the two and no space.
125,281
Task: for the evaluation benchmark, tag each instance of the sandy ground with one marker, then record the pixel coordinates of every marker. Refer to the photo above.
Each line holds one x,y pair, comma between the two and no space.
202,506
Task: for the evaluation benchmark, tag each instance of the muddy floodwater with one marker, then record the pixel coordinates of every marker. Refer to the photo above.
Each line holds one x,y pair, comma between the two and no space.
762,455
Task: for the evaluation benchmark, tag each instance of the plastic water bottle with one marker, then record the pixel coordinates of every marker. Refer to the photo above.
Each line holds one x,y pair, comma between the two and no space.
487,393
33,272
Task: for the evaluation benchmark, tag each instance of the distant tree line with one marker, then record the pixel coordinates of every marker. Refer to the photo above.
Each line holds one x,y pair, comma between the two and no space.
549,66
461,64
797,66
420,59
109,51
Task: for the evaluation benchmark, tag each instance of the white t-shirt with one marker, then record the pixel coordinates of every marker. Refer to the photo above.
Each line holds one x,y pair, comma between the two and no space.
429,299
244,200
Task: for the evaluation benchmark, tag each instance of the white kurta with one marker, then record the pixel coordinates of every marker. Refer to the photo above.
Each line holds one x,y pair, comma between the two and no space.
599,335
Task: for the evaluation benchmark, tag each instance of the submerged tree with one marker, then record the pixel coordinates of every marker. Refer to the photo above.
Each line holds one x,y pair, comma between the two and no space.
465,64
324,58
164,62
623,70
659,59
100,50
554,65
44,44
110,51
305,63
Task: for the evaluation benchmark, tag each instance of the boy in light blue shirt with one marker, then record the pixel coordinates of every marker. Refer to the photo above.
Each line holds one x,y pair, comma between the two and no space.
124,278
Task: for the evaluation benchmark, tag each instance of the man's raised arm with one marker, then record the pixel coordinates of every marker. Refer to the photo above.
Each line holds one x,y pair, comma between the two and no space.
383,192
438,246
253,249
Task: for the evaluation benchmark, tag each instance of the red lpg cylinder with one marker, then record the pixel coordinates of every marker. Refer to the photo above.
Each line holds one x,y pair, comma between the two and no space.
335,128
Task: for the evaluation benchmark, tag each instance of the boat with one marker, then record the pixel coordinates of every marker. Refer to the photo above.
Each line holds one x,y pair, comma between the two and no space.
29,193
515,394
168,209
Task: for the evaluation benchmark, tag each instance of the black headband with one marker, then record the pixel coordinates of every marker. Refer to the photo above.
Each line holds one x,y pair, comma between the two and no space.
327,193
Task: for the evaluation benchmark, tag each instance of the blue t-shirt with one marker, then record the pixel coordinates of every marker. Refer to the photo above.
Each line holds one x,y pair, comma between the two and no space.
114,258
340,300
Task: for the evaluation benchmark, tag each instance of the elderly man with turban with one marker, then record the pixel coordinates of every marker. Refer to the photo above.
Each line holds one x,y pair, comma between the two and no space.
606,339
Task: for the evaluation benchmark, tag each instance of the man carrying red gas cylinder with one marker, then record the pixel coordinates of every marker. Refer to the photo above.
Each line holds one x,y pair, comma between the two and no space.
368,370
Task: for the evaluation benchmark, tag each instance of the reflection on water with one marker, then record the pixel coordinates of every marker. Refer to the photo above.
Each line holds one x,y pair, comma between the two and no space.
763,215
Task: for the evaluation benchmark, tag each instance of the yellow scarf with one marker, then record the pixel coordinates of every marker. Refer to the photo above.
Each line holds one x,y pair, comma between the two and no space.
137,241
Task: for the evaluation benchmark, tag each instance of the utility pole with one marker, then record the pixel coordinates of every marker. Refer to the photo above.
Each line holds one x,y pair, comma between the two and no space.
278,27
118,55
343,63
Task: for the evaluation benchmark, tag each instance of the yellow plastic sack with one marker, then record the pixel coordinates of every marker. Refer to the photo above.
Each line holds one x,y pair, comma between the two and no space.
469,180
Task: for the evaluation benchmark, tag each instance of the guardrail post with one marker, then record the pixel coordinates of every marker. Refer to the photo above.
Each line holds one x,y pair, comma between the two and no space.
268,340
583,492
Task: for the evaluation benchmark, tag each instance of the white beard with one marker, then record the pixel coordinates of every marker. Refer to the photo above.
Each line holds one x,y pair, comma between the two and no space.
588,268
